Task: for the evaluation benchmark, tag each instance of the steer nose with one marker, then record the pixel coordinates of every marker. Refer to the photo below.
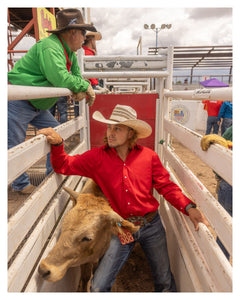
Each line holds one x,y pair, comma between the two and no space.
43,272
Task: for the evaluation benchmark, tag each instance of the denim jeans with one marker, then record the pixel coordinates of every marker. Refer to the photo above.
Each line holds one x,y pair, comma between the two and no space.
62,109
226,122
20,114
212,123
225,199
152,239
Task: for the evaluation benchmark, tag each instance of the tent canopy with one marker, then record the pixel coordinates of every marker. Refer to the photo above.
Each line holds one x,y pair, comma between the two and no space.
213,82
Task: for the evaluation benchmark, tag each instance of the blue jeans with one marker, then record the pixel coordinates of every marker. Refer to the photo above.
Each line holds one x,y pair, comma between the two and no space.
225,199
212,123
20,114
226,122
62,109
152,238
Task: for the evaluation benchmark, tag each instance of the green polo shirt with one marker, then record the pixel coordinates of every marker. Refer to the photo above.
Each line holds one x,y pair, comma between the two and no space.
45,65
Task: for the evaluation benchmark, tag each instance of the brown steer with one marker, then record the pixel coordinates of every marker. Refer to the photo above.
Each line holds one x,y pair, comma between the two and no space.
85,235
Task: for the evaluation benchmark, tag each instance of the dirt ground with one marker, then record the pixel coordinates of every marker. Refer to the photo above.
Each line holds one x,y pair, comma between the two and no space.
136,275
199,168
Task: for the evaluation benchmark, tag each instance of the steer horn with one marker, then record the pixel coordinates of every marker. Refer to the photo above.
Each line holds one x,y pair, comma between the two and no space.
71,192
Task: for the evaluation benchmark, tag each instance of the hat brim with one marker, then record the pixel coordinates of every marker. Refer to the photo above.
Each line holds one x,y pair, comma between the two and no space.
97,35
88,27
142,128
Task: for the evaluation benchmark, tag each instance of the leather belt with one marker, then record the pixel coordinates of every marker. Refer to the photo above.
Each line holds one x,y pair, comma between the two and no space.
141,221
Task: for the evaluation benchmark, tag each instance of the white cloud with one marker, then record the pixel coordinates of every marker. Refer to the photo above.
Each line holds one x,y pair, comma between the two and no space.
122,27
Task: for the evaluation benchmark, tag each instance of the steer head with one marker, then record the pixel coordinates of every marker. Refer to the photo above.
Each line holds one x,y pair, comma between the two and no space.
85,236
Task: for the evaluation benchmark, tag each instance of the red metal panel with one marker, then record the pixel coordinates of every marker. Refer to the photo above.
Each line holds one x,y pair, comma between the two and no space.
144,104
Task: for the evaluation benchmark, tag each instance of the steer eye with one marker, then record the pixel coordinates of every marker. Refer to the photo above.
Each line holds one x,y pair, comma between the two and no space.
86,239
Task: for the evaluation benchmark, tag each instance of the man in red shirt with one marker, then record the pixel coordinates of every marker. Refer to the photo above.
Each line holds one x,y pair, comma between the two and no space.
127,173
212,107
90,48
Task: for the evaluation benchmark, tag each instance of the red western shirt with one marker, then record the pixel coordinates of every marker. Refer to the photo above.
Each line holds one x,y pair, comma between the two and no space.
127,184
212,107
89,51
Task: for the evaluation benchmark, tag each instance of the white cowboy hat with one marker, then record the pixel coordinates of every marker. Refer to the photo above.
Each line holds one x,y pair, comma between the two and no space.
97,35
125,115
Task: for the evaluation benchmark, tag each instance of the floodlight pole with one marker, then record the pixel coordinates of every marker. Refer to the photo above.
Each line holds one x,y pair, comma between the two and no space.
157,29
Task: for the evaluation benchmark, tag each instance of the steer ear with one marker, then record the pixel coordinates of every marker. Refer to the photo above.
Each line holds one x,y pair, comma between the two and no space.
118,223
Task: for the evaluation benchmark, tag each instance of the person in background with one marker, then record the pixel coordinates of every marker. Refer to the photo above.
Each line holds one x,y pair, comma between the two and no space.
127,173
51,62
225,116
223,189
212,107
225,192
90,48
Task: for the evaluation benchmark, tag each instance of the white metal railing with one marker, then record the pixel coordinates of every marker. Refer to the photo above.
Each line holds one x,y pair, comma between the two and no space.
216,274
35,92
224,94
196,260
33,223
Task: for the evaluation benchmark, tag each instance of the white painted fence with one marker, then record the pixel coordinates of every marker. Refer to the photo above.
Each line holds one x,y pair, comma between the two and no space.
196,260
32,225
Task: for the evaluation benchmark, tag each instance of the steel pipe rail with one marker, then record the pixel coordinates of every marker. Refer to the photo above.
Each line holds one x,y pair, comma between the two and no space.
124,58
22,92
224,94
125,74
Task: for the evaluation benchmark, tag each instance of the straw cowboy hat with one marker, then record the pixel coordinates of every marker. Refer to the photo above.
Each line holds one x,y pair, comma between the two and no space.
71,18
97,35
125,115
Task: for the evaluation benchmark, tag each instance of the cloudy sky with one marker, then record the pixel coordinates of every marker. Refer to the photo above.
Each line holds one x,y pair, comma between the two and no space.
121,28
122,23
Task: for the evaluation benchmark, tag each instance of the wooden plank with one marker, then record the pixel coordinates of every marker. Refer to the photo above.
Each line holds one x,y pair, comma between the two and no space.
197,260
24,155
20,223
219,219
27,256
216,260
180,259
70,281
23,263
216,157
218,266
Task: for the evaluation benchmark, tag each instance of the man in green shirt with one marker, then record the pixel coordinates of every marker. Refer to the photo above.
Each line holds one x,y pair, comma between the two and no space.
51,62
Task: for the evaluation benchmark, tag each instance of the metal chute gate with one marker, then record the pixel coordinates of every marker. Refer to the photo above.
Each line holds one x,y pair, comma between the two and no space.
196,260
